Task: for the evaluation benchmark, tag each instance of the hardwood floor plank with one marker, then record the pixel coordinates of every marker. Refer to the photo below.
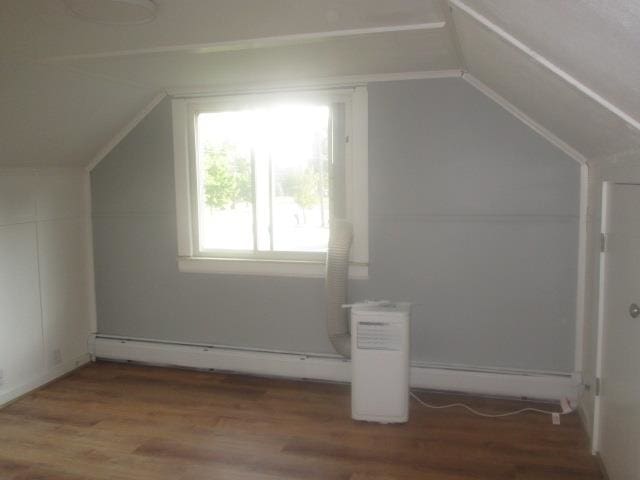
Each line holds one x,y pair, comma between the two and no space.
113,421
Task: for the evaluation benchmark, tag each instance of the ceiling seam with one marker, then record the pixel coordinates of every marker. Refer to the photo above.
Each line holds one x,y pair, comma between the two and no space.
249,44
453,34
124,131
75,71
326,82
524,118
542,60
38,169
102,76
27,60
621,157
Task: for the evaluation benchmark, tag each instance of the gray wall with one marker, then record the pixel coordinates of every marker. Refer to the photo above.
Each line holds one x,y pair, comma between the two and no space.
472,216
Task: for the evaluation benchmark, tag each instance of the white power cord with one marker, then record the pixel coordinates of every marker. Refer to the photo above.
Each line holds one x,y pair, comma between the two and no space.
566,409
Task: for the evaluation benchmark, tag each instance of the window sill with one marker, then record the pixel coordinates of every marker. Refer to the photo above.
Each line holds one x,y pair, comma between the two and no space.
271,268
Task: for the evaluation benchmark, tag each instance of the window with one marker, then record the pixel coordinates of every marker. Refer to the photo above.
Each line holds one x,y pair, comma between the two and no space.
258,178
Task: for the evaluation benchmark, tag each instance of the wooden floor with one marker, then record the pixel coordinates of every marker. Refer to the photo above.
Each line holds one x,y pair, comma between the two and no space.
117,421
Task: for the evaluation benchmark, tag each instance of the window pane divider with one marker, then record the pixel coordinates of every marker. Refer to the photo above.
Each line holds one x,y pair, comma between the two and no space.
271,245
254,200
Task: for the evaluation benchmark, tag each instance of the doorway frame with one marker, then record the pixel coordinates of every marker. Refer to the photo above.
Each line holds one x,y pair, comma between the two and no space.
605,201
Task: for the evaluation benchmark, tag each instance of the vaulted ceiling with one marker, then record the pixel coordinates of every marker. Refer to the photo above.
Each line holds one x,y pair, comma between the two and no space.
67,87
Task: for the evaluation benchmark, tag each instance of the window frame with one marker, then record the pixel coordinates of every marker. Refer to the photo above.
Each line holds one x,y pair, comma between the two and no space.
304,264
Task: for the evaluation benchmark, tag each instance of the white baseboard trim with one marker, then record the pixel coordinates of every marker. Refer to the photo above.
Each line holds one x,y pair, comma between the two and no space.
291,365
495,383
40,380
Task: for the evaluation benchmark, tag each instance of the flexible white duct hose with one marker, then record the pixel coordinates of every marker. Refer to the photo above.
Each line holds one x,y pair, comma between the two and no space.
340,237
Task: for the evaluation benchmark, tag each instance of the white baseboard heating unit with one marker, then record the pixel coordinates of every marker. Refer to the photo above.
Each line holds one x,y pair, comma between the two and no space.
380,362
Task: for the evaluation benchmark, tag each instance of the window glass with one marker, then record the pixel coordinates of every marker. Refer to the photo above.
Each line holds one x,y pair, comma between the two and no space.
225,182
263,179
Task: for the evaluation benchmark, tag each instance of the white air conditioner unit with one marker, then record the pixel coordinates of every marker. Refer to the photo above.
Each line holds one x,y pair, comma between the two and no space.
380,362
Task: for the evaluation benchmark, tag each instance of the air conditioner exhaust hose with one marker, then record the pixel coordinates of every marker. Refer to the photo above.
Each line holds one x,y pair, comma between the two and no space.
337,276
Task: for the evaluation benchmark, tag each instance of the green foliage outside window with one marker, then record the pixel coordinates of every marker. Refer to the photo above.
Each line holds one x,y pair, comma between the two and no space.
228,178
228,181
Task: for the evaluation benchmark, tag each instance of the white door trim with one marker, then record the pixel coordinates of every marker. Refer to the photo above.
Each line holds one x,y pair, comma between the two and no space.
581,286
606,194
607,188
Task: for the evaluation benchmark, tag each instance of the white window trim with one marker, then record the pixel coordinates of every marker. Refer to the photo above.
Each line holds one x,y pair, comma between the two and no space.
357,188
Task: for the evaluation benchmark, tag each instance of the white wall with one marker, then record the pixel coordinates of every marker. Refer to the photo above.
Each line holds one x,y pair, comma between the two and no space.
46,276
621,169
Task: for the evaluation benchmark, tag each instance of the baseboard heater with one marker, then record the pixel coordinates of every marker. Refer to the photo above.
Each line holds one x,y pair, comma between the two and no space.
518,384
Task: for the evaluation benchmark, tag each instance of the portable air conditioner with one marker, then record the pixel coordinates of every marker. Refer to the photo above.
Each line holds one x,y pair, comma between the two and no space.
380,362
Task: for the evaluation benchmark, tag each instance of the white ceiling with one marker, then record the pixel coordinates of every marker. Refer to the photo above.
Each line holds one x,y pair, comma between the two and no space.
42,29
544,96
67,86
402,51
54,116
596,41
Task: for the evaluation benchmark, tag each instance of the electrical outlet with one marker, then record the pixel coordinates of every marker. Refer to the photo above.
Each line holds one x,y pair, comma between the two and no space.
57,357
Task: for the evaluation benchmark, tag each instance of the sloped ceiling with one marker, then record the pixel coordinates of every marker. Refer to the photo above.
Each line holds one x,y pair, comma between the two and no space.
596,41
542,56
544,96
67,87
400,51
42,29
55,116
